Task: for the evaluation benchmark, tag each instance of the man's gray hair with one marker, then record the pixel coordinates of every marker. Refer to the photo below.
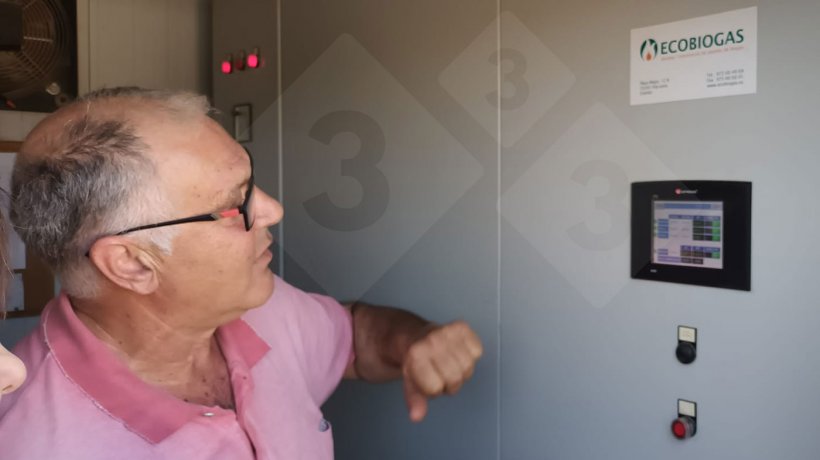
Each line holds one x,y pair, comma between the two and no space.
94,180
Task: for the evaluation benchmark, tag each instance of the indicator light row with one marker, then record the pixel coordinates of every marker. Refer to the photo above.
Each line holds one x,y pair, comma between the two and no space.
240,61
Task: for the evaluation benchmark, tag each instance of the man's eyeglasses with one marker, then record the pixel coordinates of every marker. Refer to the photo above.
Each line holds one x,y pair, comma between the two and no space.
246,209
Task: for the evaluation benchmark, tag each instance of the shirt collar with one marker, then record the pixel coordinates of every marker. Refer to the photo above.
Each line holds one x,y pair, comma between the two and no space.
146,410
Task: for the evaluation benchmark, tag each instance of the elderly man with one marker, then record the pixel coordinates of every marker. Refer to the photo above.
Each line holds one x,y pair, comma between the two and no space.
172,338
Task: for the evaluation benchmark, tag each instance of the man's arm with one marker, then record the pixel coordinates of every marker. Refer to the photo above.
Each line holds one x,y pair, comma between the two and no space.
431,359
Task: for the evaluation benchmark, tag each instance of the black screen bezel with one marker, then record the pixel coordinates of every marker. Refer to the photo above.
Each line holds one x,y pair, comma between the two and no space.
737,238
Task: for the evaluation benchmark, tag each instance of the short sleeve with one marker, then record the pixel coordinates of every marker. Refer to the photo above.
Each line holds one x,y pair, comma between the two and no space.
329,348
310,334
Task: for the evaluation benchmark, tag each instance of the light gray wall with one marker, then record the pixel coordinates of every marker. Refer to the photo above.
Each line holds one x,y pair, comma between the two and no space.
150,43
606,380
580,358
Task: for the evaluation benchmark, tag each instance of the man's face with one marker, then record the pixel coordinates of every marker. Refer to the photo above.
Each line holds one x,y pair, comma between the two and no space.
218,269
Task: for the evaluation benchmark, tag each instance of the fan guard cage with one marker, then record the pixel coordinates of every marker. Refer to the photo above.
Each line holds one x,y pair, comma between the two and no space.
46,37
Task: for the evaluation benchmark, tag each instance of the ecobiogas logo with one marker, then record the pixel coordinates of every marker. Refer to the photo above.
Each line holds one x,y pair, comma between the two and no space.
650,48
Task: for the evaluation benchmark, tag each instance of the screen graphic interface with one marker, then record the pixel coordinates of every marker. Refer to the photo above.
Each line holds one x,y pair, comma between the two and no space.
688,233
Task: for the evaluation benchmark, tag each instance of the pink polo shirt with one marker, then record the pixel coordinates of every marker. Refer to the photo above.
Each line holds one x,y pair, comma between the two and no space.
81,402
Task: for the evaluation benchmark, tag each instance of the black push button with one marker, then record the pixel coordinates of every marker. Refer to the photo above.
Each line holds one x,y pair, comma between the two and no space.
686,352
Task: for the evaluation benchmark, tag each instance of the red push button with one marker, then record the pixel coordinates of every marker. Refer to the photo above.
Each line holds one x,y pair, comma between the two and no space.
678,429
683,427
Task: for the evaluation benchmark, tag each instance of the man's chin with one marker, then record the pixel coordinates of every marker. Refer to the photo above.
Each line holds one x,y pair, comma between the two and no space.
263,289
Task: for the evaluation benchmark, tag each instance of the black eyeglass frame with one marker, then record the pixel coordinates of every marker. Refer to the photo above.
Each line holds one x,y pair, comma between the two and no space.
243,209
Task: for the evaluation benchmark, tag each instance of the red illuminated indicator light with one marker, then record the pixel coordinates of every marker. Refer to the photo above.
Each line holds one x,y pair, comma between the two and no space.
227,67
253,61
677,191
678,429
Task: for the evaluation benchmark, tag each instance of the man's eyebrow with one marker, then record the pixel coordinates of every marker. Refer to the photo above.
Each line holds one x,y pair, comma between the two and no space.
233,197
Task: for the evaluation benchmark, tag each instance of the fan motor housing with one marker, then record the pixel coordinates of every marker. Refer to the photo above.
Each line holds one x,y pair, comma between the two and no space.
11,26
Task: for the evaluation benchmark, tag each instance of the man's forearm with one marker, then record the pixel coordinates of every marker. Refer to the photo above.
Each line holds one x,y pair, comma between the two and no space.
381,338
431,359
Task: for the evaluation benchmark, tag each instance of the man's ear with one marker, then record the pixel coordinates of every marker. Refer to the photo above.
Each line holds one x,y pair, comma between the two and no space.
125,264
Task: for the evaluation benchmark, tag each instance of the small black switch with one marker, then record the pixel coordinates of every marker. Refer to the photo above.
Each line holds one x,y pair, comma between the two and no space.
687,344
686,352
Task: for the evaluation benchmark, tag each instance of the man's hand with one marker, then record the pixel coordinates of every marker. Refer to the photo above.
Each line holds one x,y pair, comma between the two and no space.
439,361
391,343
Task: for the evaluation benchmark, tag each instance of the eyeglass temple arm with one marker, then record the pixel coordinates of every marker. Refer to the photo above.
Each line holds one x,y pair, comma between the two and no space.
201,218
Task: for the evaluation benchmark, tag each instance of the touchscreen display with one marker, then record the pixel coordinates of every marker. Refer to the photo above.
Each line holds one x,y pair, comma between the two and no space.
688,233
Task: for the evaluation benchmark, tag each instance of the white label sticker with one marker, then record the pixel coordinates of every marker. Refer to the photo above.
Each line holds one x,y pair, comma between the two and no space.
687,334
709,56
687,408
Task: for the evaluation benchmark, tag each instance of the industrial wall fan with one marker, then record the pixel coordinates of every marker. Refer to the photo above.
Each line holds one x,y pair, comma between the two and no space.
38,54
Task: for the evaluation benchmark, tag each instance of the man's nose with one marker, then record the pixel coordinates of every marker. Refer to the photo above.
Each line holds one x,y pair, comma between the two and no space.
12,371
268,211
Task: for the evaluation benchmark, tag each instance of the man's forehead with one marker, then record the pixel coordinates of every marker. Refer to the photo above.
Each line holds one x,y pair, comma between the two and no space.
203,144
202,165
